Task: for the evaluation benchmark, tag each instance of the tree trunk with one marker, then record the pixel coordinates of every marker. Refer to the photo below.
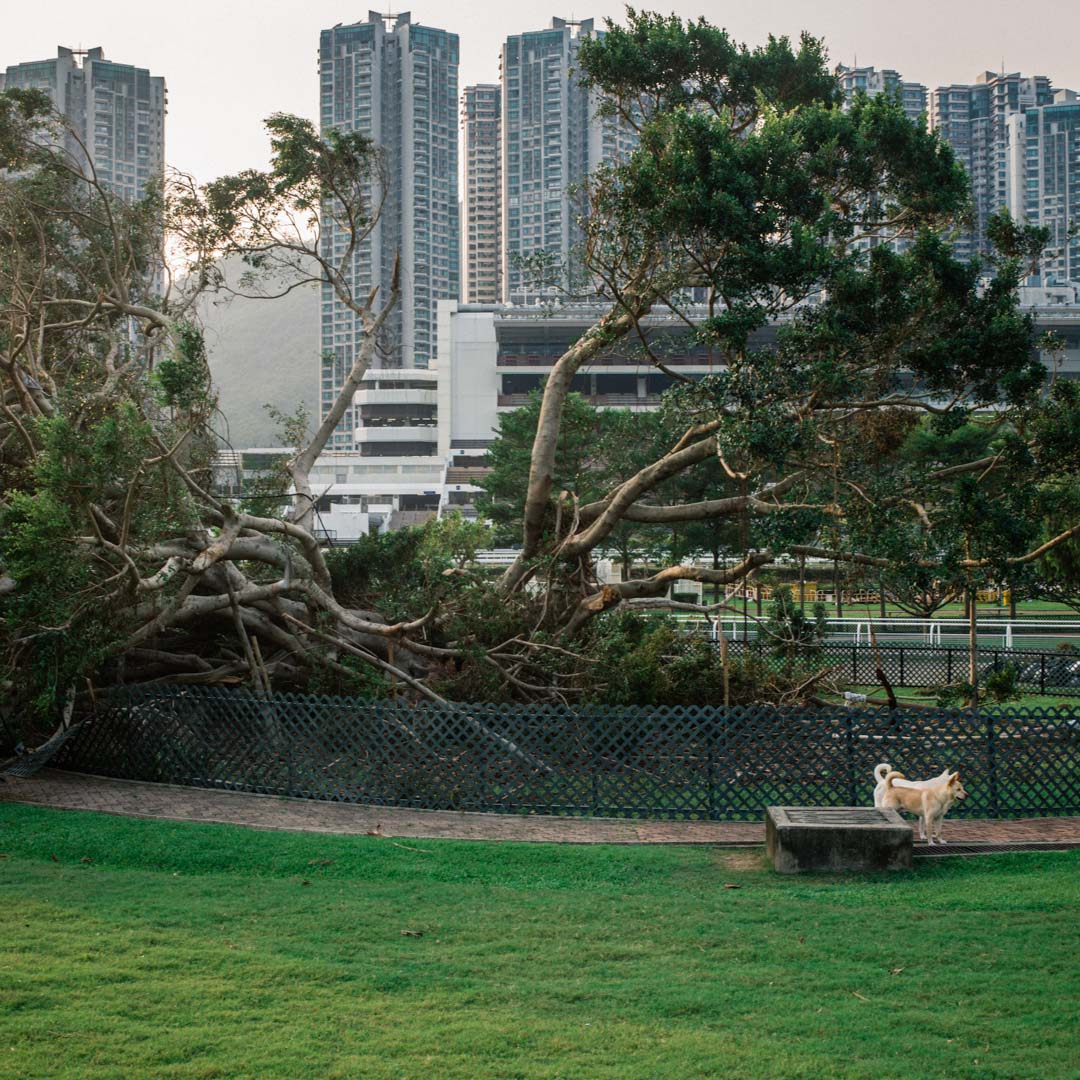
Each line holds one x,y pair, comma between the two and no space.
615,324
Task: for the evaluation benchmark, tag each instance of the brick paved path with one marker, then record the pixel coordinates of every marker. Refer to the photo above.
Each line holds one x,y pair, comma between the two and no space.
72,791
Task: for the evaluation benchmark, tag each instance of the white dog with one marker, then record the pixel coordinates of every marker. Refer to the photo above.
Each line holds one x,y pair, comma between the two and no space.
879,776
931,800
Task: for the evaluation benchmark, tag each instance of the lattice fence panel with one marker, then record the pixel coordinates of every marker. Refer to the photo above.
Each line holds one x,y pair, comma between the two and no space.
659,762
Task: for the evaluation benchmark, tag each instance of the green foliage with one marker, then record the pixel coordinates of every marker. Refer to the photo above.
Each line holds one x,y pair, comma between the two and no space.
1003,684
363,681
788,627
955,695
653,661
65,623
25,116
579,467
306,168
184,380
407,571
674,65
63,636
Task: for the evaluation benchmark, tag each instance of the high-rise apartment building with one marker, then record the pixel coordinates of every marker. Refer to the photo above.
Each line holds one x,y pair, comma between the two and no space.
870,81
1043,180
116,113
972,119
397,82
552,140
480,252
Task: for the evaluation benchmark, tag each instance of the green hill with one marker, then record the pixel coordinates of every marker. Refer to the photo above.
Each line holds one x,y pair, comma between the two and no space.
261,352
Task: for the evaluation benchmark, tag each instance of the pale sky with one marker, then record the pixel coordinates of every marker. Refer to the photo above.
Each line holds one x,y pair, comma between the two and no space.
228,64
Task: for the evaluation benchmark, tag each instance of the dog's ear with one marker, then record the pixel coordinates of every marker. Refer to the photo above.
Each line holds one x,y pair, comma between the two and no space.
954,778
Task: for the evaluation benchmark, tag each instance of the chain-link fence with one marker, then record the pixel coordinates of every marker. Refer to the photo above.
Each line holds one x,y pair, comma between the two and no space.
660,762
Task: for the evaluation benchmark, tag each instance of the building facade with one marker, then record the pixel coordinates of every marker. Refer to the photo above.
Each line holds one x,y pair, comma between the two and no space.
552,140
481,263
973,119
396,82
116,113
870,81
1043,180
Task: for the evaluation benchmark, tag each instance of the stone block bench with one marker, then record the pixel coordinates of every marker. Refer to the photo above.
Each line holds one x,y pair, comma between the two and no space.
849,839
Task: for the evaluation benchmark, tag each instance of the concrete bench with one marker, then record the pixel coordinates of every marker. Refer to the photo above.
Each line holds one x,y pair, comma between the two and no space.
848,839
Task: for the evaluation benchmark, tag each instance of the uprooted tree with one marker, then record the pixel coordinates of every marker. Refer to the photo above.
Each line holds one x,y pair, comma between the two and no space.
752,197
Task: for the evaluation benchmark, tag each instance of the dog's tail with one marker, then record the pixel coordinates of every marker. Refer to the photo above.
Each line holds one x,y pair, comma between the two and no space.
892,775
880,771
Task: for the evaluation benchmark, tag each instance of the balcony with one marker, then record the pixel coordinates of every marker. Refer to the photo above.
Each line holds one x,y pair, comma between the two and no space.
457,475
396,397
676,360
600,401
389,434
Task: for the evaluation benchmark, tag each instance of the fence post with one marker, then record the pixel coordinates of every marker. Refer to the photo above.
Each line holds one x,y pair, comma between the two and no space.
483,800
903,682
854,663
948,670
849,739
594,780
713,814
290,756
1042,673
991,762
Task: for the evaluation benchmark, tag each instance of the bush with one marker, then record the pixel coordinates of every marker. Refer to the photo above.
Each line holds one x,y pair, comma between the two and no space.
1003,685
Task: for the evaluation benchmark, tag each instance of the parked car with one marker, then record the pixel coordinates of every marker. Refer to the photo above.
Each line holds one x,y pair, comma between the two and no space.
1053,672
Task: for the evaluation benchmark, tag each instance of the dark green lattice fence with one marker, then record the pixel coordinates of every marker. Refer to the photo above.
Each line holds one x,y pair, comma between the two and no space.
648,762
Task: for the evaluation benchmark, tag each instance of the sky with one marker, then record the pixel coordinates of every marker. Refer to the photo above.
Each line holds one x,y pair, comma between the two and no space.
228,64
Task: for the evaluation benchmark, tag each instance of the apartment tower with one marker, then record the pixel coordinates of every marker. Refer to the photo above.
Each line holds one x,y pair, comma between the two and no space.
396,82
116,113
552,140
480,254
972,118
1043,180
871,81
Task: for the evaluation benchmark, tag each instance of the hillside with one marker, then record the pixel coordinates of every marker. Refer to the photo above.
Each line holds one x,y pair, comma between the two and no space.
261,352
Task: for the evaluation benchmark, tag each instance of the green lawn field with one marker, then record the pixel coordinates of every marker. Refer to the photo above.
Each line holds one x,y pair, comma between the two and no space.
148,949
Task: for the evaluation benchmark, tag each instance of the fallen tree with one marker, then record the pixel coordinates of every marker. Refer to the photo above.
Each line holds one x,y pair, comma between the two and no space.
752,193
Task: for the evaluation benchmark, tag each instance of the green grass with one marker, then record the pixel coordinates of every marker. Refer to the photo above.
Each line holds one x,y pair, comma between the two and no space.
925,695
136,948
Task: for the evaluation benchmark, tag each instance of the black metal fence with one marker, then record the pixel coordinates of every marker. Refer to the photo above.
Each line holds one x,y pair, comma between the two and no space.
932,665
702,763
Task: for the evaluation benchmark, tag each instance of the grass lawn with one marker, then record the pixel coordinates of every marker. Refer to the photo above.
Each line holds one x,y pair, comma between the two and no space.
148,949
923,695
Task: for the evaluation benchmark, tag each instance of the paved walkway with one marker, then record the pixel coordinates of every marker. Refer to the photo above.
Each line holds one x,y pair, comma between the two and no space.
73,791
